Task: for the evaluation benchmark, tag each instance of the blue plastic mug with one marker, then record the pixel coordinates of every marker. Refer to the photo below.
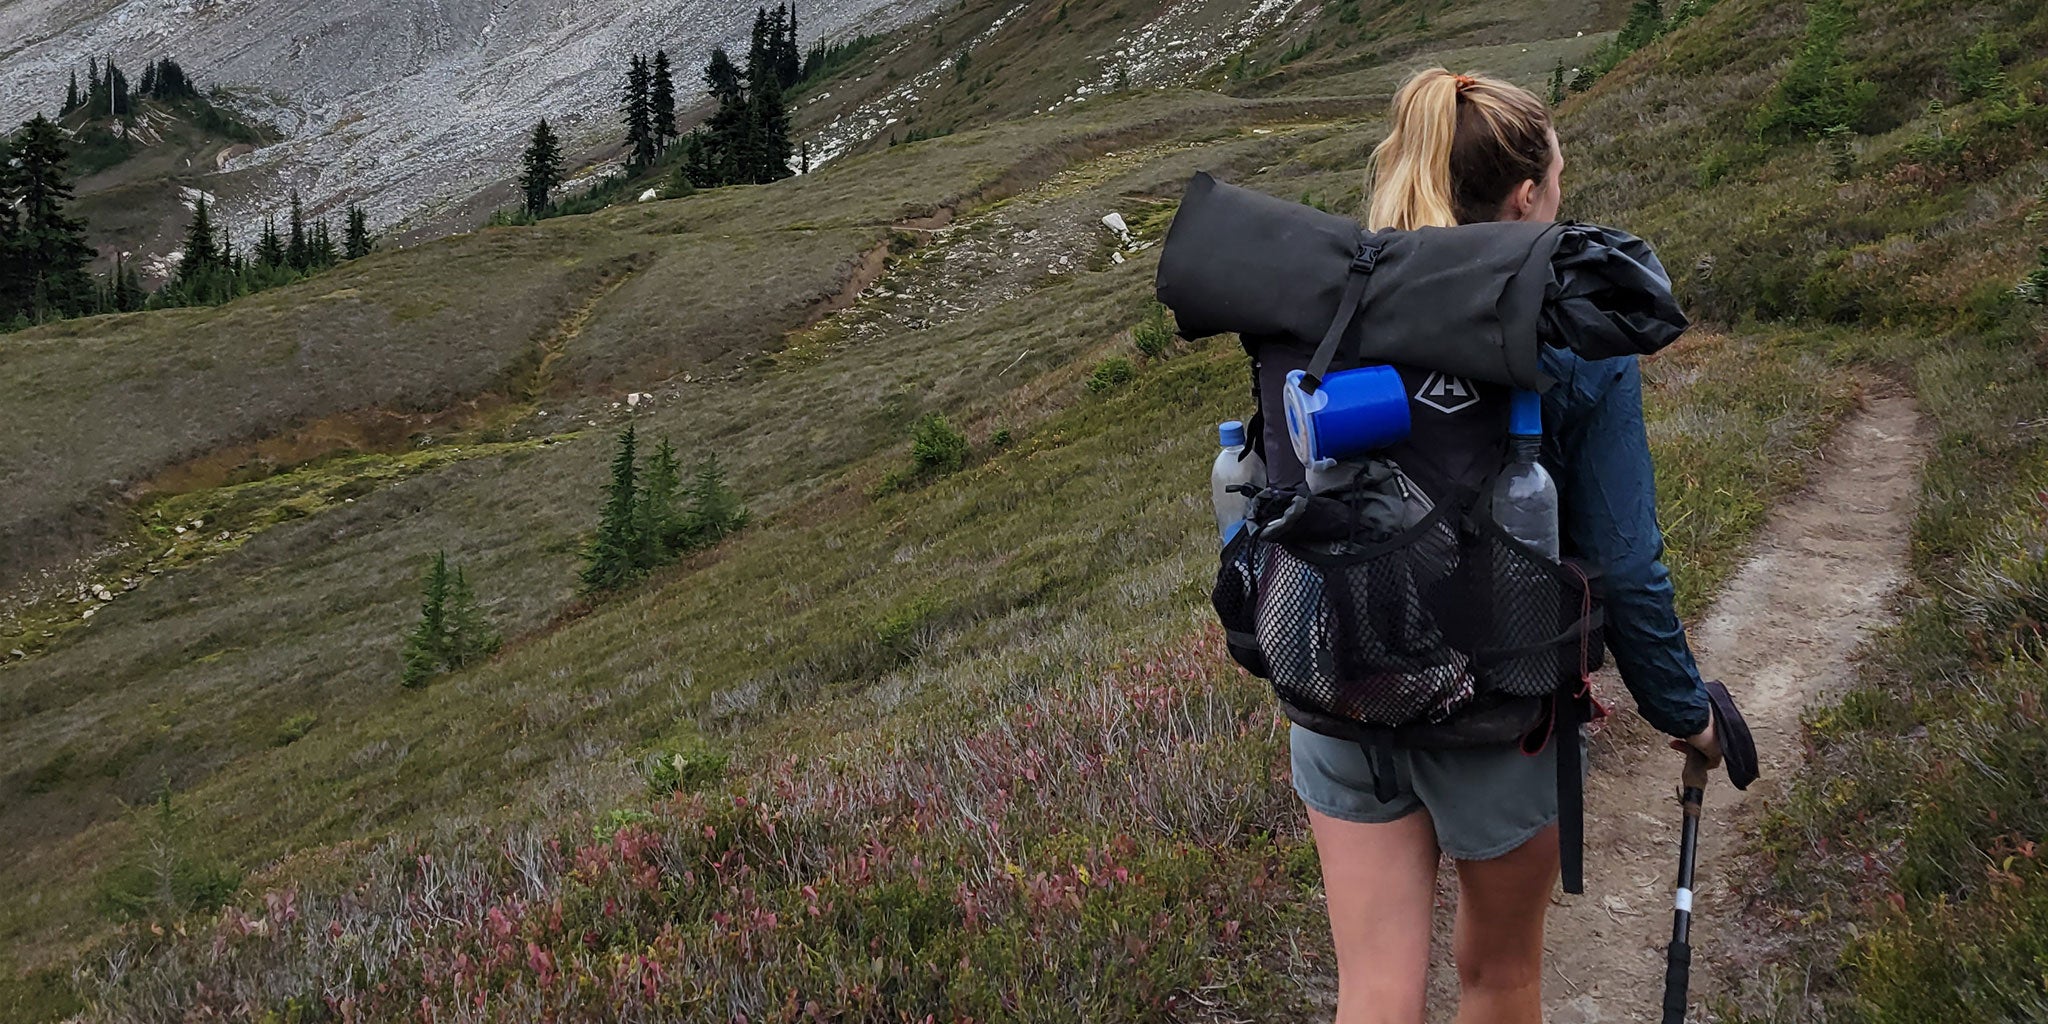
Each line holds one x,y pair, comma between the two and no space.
1352,413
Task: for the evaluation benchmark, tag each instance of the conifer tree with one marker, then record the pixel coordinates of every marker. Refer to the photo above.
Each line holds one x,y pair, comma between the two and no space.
44,262
789,62
660,517
323,252
470,636
270,251
201,253
770,149
426,645
543,169
71,98
298,253
149,71
663,98
726,139
452,632
611,560
639,113
1557,83
94,84
358,241
715,510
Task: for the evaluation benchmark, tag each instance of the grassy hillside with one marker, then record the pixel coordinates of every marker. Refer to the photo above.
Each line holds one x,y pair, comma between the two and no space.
980,722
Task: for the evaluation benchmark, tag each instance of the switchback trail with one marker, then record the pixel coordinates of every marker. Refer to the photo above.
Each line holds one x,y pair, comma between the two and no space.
1782,635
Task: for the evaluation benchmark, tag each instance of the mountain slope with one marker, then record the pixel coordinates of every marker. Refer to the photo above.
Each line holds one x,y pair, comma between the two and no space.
940,718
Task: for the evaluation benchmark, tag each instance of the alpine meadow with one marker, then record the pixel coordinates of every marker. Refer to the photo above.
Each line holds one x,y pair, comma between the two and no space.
750,559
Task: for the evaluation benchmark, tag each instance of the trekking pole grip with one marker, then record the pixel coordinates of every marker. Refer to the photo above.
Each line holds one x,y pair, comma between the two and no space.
1677,977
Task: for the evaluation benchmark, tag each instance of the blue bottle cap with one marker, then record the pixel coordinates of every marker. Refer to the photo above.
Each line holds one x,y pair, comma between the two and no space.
1525,414
1231,433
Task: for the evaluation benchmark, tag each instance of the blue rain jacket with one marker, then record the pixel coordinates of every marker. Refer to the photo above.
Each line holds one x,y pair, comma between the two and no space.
1597,446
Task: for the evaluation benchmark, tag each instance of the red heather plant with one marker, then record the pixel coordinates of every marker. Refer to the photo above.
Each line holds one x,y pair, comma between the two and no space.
1120,847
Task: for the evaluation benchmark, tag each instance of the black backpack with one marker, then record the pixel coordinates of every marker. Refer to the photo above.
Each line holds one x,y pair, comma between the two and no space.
1388,608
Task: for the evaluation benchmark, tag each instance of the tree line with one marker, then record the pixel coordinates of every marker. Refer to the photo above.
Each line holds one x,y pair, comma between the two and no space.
107,93
746,141
211,271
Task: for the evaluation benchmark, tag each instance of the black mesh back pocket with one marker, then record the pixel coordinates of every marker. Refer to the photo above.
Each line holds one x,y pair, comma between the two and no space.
1236,599
1358,633
1540,631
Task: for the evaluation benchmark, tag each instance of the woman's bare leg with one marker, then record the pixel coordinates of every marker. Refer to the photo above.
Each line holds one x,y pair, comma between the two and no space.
1499,938
1381,881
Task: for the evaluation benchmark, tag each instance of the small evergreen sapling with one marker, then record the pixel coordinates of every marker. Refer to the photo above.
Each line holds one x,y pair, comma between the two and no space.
452,632
613,558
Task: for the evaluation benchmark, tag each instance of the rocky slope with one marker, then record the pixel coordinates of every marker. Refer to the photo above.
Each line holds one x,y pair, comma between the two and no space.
410,107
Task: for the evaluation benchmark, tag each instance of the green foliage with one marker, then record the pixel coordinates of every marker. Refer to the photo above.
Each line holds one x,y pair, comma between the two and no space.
543,170
1557,83
650,519
1154,335
616,555
1110,374
44,259
686,769
1978,71
452,632
936,447
1821,90
1000,439
294,729
168,875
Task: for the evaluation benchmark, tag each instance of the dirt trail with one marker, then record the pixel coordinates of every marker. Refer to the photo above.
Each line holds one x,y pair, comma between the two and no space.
1782,634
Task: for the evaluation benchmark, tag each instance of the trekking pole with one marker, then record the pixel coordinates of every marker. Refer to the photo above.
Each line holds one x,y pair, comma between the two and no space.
1678,959
1738,755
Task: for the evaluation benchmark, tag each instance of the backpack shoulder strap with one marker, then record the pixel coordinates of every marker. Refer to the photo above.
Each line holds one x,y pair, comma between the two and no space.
1355,281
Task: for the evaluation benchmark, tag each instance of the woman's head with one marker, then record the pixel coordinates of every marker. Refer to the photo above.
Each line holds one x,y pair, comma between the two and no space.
1464,149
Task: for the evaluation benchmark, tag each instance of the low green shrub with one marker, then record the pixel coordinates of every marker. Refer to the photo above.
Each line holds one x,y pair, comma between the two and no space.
1110,374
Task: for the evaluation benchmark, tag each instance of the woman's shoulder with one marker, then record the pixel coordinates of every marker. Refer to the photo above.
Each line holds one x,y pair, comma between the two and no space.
1584,384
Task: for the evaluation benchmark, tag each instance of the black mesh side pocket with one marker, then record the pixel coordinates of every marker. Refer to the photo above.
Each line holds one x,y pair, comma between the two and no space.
1356,632
1236,599
1541,626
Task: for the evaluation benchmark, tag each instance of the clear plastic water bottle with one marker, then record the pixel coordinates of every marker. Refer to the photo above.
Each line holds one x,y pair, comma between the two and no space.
1234,466
1526,597
1524,499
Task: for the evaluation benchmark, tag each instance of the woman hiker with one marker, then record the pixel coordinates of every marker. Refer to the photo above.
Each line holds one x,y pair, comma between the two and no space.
1464,149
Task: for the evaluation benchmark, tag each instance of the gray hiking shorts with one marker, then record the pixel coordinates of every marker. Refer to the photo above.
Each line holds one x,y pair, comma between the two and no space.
1484,801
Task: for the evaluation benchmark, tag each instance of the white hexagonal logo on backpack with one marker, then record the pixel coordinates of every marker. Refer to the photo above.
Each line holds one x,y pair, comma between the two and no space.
1446,393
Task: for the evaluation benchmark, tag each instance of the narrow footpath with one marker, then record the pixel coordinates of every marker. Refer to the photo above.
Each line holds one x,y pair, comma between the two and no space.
1782,635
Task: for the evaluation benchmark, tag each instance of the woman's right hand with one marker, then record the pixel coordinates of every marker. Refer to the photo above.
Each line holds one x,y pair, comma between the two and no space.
1702,752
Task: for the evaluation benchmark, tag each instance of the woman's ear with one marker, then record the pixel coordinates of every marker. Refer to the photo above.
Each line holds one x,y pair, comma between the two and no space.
1520,202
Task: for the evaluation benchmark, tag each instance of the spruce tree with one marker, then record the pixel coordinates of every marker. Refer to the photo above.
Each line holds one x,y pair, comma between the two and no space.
660,516
270,251
639,113
46,272
770,148
202,255
543,169
789,62
1557,83
728,136
663,98
470,636
715,510
611,560
324,254
358,242
298,253
71,98
149,72
426,645
269,246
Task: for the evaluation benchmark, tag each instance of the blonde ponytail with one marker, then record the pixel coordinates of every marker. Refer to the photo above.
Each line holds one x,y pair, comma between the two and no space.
1458,144
1411,180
